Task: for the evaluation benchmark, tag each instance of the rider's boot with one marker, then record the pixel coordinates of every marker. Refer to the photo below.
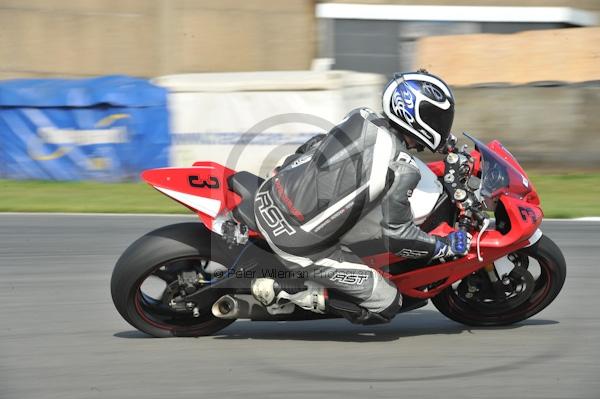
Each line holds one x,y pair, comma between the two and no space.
314,297
359,315
310,296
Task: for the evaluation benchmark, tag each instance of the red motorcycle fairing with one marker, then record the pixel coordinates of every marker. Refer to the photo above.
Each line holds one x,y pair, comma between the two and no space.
521,202
525,219
203,188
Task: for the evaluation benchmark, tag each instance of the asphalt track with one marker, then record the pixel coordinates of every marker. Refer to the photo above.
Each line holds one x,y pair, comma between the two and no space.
61,338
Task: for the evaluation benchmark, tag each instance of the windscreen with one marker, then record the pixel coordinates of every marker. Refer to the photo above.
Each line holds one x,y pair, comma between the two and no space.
497,175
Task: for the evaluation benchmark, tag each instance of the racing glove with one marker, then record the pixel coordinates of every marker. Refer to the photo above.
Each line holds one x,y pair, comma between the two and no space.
454,245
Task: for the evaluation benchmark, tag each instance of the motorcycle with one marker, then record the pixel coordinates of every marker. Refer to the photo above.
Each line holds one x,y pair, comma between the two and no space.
192,279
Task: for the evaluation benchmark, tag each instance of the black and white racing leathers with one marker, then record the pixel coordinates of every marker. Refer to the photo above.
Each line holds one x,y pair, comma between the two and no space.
324,189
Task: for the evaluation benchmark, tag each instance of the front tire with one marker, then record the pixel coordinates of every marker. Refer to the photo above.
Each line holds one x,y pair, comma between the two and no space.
167,252
547,286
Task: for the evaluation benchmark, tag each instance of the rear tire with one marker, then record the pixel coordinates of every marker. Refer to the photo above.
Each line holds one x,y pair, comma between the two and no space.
548,286
146,255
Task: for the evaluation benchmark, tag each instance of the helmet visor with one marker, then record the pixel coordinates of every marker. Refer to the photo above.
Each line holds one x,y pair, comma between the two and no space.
438,119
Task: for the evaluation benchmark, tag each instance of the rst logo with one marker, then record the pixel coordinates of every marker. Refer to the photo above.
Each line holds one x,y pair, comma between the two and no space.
272,215
212,182
349,278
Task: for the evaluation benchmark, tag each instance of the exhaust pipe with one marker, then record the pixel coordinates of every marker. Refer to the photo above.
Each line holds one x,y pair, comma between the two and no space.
226,307
244,306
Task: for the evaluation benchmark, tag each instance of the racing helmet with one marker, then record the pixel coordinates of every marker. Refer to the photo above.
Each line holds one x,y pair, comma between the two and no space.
420,105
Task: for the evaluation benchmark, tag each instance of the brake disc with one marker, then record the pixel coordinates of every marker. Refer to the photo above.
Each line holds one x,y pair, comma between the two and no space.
518,287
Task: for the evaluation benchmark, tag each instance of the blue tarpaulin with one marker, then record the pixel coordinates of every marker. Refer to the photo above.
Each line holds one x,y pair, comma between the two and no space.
108,128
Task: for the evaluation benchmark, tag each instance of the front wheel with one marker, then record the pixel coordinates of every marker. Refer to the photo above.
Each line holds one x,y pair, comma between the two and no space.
154,275
536,279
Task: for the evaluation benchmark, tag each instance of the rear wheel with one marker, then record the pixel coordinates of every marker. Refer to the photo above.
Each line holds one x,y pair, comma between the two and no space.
156,273
537,276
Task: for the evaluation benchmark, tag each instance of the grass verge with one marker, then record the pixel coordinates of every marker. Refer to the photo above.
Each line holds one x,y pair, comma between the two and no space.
563,196
46,196
568,195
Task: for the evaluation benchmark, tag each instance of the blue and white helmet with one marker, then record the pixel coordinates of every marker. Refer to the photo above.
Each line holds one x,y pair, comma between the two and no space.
420,105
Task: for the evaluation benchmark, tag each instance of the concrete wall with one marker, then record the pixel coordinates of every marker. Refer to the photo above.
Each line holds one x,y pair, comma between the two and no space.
153,37
250,121
583,4
545,127
571,55
386,47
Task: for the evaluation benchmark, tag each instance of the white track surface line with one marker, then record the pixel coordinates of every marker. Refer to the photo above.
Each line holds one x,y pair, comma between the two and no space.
99,214
172,215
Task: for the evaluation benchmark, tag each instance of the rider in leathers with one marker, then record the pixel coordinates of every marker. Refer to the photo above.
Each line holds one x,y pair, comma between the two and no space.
333,181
